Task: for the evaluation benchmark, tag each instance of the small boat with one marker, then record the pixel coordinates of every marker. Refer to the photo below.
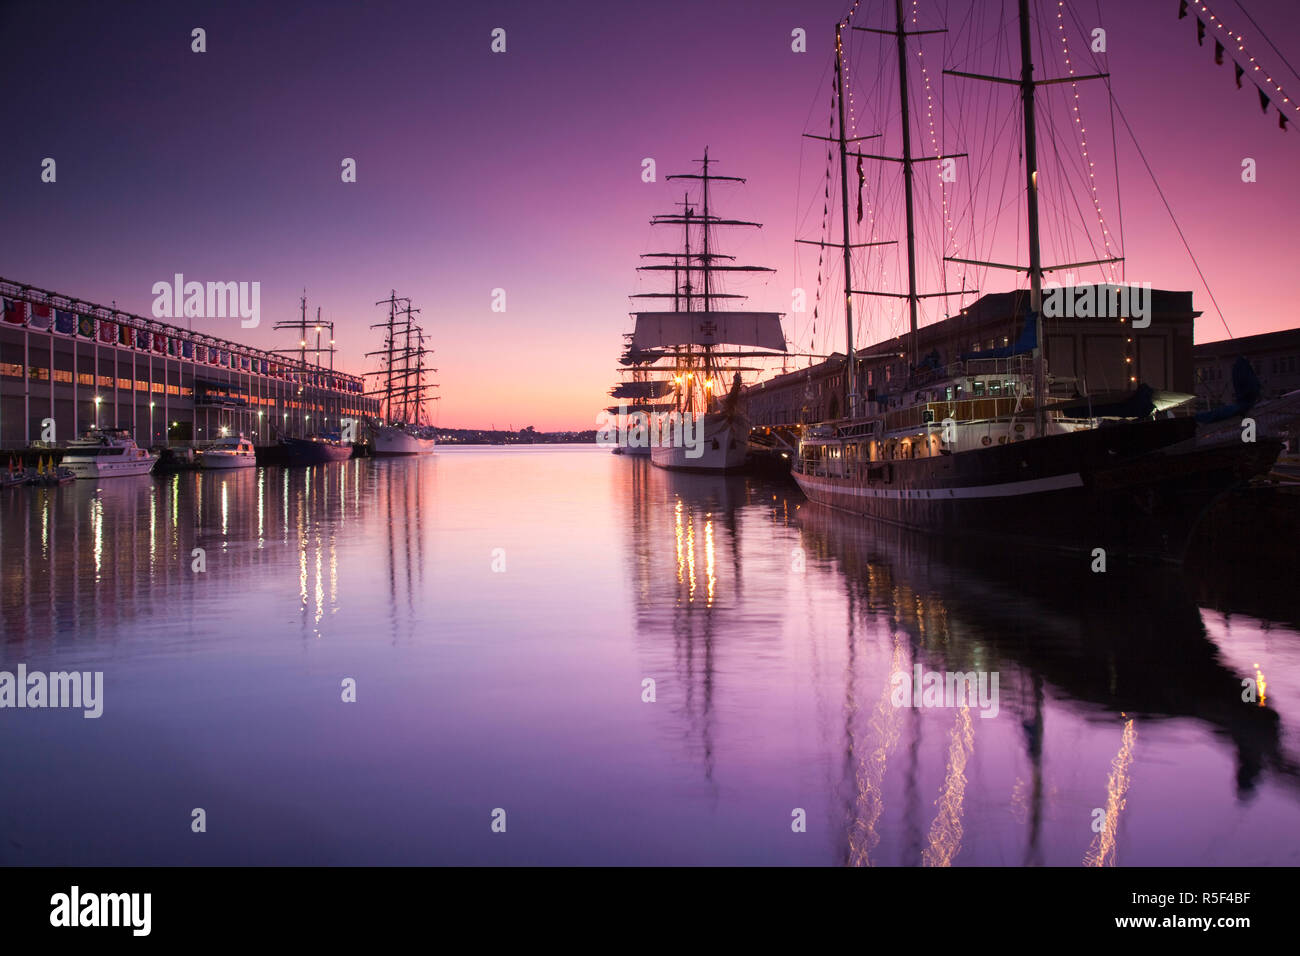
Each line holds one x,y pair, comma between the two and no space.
231,451
48,474
107,453
14,476
315,450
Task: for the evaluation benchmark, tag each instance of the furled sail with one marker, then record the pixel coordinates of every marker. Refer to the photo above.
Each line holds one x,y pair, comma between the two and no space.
657,389
757,329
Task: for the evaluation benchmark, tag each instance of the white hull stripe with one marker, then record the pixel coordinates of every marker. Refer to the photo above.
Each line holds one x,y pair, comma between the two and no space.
1004,490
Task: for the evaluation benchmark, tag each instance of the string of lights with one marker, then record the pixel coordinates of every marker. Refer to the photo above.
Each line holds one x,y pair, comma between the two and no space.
1239,40
1089,165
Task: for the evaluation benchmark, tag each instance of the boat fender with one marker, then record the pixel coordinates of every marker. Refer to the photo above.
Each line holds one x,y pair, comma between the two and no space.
986,440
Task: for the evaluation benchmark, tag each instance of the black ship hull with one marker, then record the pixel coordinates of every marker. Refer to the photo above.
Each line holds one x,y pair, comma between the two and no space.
1136,489
305,451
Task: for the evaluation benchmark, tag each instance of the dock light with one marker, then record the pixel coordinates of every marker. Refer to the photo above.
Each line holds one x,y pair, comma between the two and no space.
98,399
225,430
174,424
302,342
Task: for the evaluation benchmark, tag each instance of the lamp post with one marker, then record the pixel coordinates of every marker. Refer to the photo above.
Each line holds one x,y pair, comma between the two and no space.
152,435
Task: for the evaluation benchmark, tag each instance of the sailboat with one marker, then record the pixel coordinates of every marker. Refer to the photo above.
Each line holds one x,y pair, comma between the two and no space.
705,427
934,451
403,429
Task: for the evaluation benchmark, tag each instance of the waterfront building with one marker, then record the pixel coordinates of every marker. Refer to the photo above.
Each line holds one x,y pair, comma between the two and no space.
1107,354
1275,357
84,365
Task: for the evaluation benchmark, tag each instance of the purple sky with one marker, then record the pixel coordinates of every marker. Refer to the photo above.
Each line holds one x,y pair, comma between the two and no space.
522,171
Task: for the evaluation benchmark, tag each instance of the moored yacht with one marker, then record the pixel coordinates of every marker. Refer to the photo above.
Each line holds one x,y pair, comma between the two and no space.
231,451
107,453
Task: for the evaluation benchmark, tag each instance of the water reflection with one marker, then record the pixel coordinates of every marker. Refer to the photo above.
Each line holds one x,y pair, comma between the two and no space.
1110,654
83,557
775,632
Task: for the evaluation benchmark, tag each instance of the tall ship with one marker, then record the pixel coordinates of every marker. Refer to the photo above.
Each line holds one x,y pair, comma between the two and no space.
692,348
991,443
640,395
317,447
404,428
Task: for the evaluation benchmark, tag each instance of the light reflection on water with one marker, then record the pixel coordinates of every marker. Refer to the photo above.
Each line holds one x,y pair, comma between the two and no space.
771,628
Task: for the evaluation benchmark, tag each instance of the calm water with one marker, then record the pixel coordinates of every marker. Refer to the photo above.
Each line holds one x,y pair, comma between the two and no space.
770,627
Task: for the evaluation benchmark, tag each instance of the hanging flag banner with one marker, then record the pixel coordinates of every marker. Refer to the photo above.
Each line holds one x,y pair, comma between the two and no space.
42,317
108,332
187,349
862,178
1280,100
86,326
200,353
15,312
159,342
65,323
142,340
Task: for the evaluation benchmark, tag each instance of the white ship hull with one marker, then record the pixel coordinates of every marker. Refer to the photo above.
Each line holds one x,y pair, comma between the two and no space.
217,461
396,441
725,447
109,468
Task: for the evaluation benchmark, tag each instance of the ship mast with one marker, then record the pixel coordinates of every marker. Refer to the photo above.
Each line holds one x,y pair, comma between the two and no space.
907,173
1031,192
1027,85
850,373
684,294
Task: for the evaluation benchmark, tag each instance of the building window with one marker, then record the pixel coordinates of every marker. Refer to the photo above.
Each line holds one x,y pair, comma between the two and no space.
979,389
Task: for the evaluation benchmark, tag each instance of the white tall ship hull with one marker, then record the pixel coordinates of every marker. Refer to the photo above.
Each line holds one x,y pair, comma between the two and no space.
390,440
725,447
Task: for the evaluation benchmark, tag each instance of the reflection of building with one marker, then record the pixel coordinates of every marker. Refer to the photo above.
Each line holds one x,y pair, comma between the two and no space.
82,365
1108,354
1275,357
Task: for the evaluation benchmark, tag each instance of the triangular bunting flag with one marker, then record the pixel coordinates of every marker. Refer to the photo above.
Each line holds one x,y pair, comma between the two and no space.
1218,53
1281,120
1263,101
1182,9
1240,72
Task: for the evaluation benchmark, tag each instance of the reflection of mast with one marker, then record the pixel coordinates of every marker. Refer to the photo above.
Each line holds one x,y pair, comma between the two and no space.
1034,745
